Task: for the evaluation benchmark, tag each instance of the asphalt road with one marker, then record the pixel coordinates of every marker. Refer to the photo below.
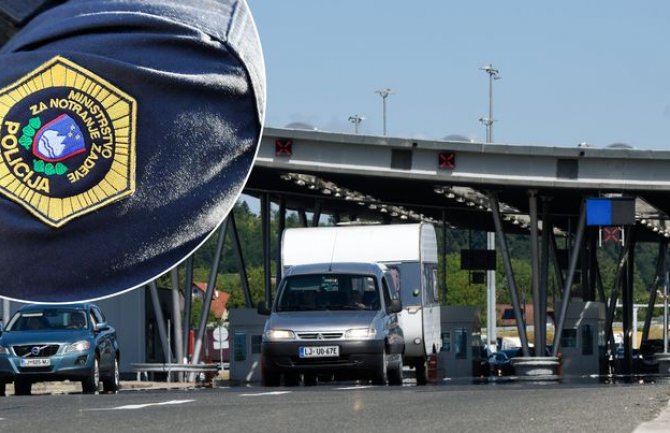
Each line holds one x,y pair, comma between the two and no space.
337,408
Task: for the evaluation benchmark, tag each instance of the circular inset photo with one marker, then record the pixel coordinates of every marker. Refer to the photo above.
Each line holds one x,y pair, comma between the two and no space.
127,133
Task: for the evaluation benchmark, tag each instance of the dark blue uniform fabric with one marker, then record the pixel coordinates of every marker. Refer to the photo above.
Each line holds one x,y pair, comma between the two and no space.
196,74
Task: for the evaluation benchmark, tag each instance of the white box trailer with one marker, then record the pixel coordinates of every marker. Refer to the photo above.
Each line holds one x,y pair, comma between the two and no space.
408,250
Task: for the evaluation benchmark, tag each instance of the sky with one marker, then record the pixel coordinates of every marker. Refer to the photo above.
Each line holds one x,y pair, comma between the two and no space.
571,71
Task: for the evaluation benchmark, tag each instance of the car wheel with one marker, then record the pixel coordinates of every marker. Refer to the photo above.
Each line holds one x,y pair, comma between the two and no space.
91,384
111,384
395,373
22,387
421,372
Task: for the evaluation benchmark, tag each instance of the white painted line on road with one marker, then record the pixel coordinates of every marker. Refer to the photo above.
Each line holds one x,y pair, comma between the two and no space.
256,394
356,387
142,406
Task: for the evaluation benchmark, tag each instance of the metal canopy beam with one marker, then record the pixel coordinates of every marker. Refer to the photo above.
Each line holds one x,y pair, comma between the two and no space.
476,163
502,246
535,268
565,297
660,271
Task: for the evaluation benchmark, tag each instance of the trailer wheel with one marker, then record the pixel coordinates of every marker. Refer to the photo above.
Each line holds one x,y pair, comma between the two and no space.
421,372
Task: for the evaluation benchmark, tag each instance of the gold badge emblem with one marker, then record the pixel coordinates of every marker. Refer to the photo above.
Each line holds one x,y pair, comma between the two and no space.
67,142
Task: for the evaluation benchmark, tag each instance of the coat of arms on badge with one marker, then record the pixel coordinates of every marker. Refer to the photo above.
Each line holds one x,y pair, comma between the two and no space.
67,142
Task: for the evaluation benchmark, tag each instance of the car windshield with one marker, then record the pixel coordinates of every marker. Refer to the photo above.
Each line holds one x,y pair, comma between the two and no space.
328,292
48,319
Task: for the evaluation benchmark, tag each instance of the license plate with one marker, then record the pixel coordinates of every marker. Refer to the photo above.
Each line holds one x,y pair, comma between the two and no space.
35,362
319,351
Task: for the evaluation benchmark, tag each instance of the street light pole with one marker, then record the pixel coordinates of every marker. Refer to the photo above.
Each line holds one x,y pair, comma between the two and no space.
491,312
488,121
384,93
356,120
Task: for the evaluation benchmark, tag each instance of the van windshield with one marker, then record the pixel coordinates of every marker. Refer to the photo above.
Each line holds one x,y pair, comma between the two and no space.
328,292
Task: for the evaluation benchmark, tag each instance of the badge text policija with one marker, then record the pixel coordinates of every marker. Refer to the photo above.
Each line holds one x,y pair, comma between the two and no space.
67,142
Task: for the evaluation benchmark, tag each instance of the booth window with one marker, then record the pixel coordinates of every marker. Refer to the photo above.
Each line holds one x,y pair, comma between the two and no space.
446,342
240,346
569,338
587,340
461,343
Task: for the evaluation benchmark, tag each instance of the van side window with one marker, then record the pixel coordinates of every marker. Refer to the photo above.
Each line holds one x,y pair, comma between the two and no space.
387,292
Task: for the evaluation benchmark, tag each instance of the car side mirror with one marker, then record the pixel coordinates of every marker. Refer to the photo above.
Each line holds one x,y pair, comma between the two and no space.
263,309
2,327
396,306
102,326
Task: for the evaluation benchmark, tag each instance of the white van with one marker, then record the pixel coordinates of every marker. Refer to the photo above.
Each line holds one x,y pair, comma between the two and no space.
409,251
333,320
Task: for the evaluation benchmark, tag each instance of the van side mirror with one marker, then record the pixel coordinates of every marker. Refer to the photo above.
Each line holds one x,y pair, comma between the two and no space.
396,306
263,309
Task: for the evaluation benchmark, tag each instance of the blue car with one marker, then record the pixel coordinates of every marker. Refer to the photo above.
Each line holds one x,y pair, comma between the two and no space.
59,342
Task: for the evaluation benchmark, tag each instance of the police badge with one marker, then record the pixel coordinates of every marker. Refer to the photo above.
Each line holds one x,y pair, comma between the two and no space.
67,142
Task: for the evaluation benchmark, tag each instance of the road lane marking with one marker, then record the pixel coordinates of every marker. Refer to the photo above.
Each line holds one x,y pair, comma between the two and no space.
142,406
356,387
256,394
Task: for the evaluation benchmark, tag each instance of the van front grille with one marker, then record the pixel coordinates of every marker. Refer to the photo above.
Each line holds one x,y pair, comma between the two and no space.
320,335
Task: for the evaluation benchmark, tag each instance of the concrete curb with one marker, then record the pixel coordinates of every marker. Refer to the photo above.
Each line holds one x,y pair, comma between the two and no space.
67,387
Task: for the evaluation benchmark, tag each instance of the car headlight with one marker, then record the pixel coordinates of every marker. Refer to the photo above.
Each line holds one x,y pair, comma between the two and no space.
360,333
79,346
279,334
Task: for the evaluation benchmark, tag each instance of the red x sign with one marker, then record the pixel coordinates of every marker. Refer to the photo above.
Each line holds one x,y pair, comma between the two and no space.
447,160
611,234
283,147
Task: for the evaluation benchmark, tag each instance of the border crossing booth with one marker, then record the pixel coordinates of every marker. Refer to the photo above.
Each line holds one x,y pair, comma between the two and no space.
582,344
246,332
460,354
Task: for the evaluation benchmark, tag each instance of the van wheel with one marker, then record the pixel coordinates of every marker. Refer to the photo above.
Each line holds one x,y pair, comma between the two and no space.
421,372
395,373
270,378
381,376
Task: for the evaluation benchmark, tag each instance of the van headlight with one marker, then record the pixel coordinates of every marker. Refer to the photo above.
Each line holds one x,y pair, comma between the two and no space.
359,333
279,334
79,346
